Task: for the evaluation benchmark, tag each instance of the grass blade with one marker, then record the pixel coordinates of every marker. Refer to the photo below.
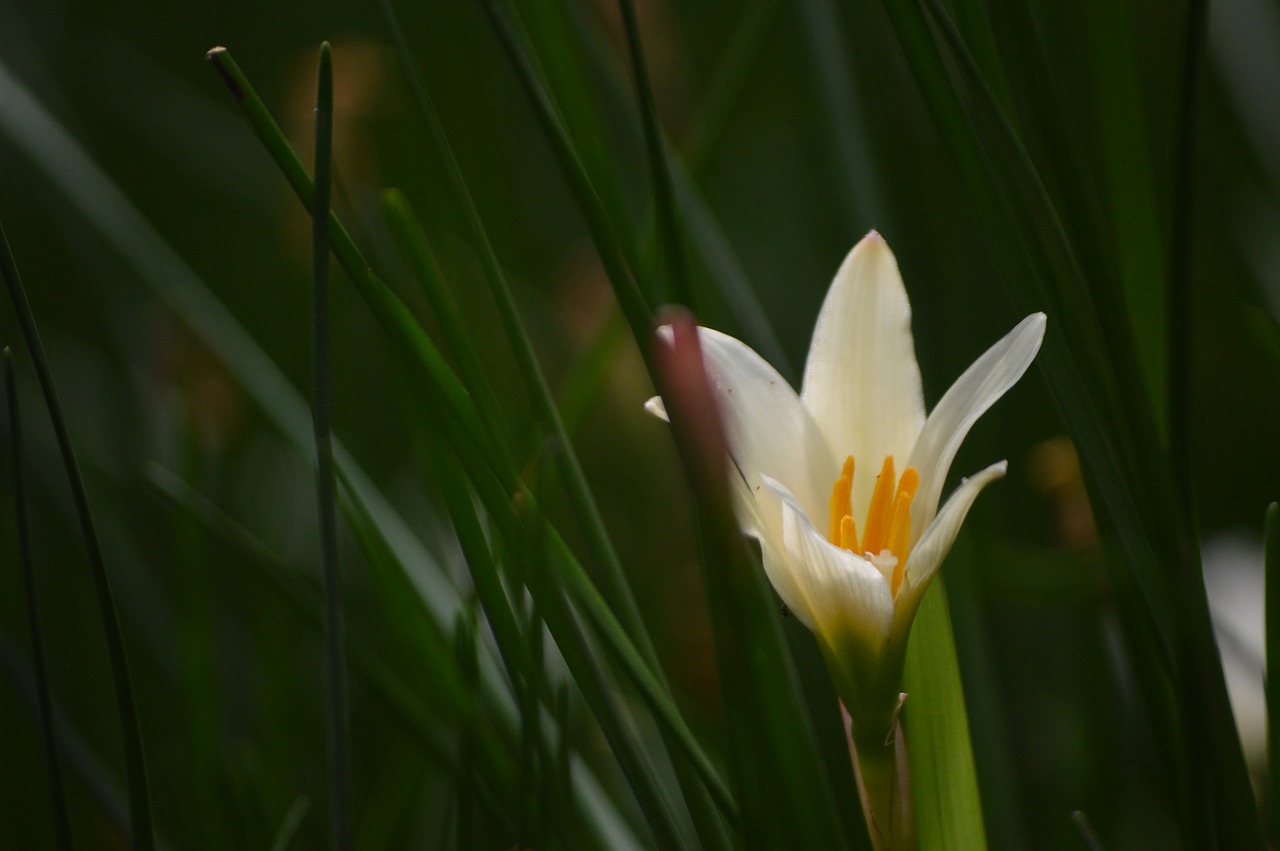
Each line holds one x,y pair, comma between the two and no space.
337,709
140,817
670,243
1271,562
52,757
948,808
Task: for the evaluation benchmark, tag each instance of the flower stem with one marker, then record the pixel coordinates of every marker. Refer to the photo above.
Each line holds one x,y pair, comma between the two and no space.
884,784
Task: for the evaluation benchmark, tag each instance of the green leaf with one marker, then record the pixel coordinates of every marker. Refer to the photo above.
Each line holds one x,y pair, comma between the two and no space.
944,782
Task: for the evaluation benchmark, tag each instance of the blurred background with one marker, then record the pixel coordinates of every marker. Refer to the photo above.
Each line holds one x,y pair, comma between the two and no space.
125,169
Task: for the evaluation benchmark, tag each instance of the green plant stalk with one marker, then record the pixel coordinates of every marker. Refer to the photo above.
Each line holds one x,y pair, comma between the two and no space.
1271,568
140,817
96,197
413,244
1181,327
609,568
609,572
670,242
463,421
337,709
630,297
305,598
52,756
706,238
595,681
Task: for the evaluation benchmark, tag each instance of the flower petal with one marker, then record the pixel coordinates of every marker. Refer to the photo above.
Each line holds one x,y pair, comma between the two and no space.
861,381
989,378
936,541
769,431
839,595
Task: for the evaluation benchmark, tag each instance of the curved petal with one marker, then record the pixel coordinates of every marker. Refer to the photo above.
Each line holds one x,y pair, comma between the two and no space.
989,378
861,381
843,596
769,431
936,541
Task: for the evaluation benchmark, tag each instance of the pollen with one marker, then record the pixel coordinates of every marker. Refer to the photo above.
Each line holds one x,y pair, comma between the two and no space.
887,530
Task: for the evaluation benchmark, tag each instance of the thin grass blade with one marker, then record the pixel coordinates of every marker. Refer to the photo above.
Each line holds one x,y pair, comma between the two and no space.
52,751
337,708
140,816
1271,567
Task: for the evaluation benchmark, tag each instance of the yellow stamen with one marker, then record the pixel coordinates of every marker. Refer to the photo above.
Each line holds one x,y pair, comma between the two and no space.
840,501
875,535
848,533
888,519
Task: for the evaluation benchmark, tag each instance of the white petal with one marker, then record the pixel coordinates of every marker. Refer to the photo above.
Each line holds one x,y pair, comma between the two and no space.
926,557
840,594
656,407
861,381
769,431
989,378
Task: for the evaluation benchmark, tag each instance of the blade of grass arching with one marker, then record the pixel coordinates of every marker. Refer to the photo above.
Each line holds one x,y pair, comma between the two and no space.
337,711
140,817
1271,573
423,355
454,403
290,824
52,757
665,822
571,577
729,80
706,242
944,781
780,778
671,262
304,597
379,548
400,218
90,191
603,233
557,28
609,568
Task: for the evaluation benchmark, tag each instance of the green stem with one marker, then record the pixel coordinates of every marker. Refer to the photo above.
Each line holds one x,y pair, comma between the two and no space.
52,758
337,712
140,818
884,785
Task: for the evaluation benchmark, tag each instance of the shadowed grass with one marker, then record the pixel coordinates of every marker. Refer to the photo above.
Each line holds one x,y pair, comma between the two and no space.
52,755
140,817
337,709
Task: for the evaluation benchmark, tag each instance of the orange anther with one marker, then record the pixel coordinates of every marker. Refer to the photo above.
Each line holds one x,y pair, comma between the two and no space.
849,533
875,535
840,500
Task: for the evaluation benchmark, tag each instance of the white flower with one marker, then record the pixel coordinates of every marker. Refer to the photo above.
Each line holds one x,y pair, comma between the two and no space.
849,542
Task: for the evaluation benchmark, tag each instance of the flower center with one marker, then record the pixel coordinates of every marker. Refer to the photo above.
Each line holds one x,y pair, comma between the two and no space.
886,536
